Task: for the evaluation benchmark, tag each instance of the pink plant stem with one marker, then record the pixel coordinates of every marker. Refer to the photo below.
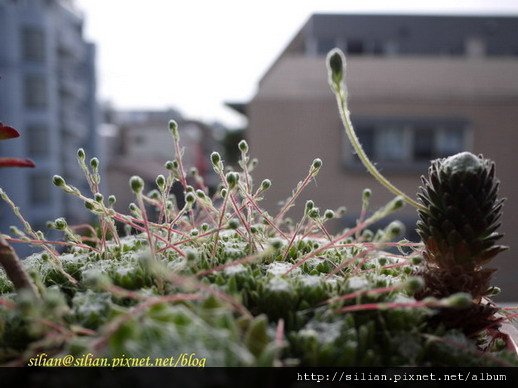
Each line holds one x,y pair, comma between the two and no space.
380,306
261,213
84,226
146,226
375,291
253,247
364,255
297,229
41,242
188,240
7,303
222,215
292,199
182,178
279,333
327,246
143,229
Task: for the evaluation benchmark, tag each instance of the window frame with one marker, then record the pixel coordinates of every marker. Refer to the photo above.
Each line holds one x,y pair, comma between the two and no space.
29,101
27,53
410,127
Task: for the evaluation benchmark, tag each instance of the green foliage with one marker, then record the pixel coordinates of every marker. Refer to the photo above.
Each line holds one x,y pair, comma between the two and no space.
221,278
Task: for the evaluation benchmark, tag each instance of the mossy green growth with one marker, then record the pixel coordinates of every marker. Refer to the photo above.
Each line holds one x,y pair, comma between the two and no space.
223,279
233,297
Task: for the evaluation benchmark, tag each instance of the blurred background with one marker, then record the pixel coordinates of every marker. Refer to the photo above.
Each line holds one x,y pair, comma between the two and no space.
425,80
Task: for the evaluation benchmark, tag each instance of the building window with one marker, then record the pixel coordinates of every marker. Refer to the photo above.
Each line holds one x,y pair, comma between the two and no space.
390,143
37,138
35,91
423,144
325,45
33,44
39,189
399,143
355,47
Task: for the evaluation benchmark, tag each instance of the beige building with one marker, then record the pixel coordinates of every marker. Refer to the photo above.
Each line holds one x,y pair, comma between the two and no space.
420,87
139,143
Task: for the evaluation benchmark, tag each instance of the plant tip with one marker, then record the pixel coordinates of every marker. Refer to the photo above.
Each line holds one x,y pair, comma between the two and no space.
215,158
58,181
266,184
232,178
414,284
81,154
112,199
335,63
136,184
460,300
94,162
243,146
329,214
160,181
173,127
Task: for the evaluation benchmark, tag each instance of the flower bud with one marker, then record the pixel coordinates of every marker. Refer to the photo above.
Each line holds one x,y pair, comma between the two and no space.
160,181
136,184
329,214
58,181
243,146
314,213
232,178
94,162
190,198
460,300
215,158
335,66
276,243
173,127
309,205
154,194
266,184
112,200
81,154
233,224
60,223
414,284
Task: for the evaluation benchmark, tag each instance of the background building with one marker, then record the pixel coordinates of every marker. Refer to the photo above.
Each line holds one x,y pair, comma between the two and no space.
47,92
420,87
139,142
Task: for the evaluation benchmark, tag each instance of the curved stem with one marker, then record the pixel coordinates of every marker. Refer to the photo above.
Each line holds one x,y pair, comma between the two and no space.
341,100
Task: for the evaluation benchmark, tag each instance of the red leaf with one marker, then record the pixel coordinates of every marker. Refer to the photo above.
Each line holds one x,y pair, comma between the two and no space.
16,162
7,132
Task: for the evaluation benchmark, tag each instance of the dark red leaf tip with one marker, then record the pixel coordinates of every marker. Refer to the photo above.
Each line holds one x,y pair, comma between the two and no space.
7,132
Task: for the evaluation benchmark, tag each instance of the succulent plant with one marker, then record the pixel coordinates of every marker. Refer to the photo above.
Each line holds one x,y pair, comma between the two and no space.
459,214
459,221
462,211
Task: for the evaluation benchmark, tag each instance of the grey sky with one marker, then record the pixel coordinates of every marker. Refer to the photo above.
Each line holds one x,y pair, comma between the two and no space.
196,54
